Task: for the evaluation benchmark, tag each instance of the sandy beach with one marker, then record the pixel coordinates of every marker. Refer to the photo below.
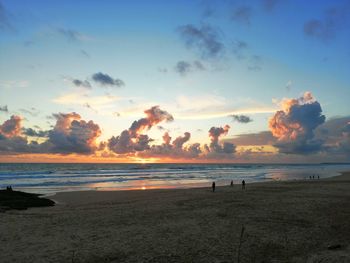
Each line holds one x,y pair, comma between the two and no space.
296,221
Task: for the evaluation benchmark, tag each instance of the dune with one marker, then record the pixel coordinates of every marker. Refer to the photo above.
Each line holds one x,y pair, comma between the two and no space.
295,221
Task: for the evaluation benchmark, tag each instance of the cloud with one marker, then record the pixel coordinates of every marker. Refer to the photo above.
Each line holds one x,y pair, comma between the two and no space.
131,140
4,109
126,143
260,138
12,127
294,125
72,35
175,150
204,39
241,118
326,27
179,141
184,67
33,133
69,135
106,80
335,133
81,83
242,15
11,141
215,147
72,135
154,115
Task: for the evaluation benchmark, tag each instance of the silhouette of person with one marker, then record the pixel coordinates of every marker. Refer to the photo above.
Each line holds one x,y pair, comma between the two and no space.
213,186
243,185
310,177
231,183
318,177
313,177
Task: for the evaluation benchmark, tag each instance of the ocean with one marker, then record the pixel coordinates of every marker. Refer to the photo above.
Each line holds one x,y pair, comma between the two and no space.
52,178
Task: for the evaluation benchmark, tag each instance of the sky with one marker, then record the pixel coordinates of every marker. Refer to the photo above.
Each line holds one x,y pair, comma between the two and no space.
260,81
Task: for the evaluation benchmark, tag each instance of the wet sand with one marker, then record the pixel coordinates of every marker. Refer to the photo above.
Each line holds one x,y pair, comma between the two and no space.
296,221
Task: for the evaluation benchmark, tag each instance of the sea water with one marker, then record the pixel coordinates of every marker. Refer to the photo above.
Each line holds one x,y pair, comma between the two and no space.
52,178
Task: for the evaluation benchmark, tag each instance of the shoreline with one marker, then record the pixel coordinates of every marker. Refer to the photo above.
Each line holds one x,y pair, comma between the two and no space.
344,175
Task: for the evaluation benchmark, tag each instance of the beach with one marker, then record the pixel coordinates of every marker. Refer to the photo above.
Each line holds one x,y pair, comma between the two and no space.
290,221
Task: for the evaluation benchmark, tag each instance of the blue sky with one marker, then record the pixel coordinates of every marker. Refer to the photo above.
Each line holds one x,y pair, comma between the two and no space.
269,50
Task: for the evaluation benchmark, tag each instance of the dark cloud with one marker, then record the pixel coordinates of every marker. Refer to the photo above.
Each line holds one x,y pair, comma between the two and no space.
241,118
12,127
179,141
71,35
69,135
242,15
326,27
335,133
204,39
154,116
81,83
215,147
72,135
184,67
175,149
294,125
131,140
34,133
261,138
127,143
17,145
11,141
4,109
106,80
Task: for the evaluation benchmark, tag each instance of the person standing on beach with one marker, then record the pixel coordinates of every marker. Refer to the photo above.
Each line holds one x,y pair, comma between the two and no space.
213,186
243,185
231,183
